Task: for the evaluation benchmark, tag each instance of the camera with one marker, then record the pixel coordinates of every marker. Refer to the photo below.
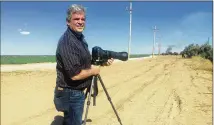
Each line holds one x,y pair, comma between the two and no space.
100,56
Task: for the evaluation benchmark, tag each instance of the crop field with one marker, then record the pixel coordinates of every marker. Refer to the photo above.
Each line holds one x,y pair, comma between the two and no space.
24,59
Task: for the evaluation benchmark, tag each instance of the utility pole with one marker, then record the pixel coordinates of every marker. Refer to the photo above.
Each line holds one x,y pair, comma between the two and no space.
130,29
159,45
159,48
153,49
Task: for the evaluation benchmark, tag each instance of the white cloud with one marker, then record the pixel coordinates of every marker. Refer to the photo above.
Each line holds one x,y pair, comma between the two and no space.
23,32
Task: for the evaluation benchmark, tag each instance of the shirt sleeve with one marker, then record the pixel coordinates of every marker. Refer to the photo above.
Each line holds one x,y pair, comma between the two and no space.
71,59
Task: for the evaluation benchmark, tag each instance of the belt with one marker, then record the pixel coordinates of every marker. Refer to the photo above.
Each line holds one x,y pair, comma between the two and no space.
63,88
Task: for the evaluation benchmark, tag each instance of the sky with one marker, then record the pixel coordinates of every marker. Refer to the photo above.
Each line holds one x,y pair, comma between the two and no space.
34,28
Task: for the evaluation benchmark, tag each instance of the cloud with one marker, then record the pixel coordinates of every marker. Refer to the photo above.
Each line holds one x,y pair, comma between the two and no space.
23,32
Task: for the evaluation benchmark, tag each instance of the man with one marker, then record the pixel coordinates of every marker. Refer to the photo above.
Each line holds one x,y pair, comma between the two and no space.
74,69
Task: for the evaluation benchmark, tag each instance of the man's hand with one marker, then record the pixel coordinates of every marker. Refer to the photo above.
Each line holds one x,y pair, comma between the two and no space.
109,62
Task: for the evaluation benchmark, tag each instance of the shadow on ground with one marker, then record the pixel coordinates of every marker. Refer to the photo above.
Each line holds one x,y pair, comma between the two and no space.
58,120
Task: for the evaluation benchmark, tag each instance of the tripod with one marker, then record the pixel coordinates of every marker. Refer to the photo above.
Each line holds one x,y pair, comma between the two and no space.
94,86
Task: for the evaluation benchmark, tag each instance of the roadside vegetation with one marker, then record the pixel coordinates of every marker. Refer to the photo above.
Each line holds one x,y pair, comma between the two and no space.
205,51
192,50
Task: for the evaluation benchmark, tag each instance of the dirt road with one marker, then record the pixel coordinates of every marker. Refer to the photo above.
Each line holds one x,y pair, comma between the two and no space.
160,91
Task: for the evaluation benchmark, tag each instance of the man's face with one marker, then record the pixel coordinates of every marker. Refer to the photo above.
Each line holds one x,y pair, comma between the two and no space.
77,22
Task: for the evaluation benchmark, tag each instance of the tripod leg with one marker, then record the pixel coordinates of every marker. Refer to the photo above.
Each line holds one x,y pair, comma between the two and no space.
95,92
88,102
109,99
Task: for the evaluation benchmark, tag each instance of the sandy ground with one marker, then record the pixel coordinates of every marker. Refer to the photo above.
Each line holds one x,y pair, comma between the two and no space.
158,91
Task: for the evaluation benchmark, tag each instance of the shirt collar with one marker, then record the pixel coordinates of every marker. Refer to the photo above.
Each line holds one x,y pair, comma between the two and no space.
79,35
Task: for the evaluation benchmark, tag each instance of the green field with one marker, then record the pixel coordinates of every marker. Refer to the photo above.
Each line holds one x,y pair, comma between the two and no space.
21,59
25,59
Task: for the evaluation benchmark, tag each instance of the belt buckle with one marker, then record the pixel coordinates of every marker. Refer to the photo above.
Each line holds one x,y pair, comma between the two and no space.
59,88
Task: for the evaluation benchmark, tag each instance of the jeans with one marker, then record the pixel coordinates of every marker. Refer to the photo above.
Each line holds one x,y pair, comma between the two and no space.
71,102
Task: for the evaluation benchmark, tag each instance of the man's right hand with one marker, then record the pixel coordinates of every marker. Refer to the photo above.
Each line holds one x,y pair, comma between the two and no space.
95,70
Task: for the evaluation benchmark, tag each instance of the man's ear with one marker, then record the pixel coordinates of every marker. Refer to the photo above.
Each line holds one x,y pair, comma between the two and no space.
68,24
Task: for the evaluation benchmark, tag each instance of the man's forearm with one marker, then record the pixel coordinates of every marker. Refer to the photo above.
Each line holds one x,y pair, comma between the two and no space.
83,74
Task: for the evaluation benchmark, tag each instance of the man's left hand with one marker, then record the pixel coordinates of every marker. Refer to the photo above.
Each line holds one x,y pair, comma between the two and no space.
109,62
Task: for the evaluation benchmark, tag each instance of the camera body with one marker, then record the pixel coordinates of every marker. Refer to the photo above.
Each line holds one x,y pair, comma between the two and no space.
100,56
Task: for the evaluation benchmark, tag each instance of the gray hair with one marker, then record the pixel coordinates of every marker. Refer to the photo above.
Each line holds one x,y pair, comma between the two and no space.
74,8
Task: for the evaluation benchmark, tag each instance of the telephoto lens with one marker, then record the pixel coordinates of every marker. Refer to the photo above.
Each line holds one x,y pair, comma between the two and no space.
100,56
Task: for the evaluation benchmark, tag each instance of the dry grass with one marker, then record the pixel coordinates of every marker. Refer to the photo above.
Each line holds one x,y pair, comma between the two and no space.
199,63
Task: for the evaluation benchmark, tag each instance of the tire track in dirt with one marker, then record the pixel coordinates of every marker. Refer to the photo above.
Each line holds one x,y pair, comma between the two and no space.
171,108
122,72
23,121
138,74
166,73
202,93
162,83
127,81
189,101
120,104
172,105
